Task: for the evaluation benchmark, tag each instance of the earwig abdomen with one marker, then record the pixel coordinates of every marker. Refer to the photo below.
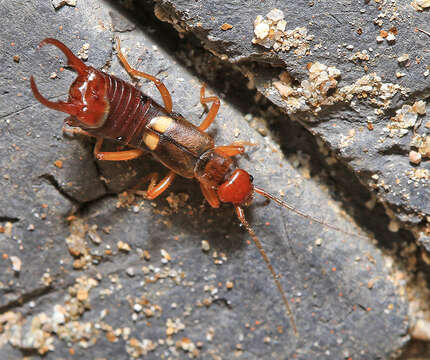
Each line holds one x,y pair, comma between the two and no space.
128,111
136,120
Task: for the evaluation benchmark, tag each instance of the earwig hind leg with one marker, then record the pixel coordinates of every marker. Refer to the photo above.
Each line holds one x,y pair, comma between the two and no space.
115,155
155,189
210,117
210,195
243,143
167,99
230,150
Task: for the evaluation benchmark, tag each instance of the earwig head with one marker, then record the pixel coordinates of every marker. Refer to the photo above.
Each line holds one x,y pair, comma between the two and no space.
237,189
87,96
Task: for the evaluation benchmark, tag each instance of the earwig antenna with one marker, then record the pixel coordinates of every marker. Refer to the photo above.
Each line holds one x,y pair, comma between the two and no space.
298,212
241,216
423,31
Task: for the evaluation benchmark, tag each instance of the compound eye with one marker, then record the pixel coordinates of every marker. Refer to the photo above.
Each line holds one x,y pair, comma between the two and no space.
251,178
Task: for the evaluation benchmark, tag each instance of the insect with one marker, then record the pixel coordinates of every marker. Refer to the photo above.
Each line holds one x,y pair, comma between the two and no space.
106,107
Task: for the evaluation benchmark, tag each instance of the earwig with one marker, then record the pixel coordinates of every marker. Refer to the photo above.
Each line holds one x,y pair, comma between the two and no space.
106,107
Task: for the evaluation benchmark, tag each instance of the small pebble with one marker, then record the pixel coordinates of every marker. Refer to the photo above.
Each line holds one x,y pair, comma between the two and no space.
146,255
123,246
421,330
130,271
261,30
403,58
205,245
275,15
423,3
391,38
226,27
414,157
16,263
393,226
165,255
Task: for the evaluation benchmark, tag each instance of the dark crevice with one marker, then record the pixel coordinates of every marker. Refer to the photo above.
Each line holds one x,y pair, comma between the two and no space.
80,206
230,81
9,219
346,186
25,298
53,181
33,353
223,301
85,206
394,149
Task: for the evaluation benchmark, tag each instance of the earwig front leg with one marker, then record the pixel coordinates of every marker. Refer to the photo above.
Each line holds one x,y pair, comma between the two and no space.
230,150
210,117
155,189
167,99
210,195
115,155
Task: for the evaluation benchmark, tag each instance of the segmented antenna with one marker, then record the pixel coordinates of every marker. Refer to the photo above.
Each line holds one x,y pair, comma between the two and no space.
241,215
298,212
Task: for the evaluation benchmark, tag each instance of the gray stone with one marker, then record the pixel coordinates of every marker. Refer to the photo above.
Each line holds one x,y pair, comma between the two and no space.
337,313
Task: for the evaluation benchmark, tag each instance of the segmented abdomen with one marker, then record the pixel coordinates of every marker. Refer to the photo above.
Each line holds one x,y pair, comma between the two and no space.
129,112
135,119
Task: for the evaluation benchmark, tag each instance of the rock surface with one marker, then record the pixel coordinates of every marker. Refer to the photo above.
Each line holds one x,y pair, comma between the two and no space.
87,270
370,66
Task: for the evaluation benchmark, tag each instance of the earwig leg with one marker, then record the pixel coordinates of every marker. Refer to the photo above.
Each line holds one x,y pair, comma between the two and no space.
76,131
115,155
210,195
213,110
243,143
154,189
230,150
167,99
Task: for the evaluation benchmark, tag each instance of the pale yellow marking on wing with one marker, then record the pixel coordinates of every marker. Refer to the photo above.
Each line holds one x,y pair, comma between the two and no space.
151,140
160,123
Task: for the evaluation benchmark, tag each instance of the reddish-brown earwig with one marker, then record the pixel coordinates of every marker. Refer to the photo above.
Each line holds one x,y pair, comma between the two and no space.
104,106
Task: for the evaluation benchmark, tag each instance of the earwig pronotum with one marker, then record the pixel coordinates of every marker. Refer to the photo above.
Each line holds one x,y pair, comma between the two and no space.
104,106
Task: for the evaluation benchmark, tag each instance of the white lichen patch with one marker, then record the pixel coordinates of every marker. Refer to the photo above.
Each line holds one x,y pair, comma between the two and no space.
420,5
271,33
37,333
173,327
187,346
419,175
422,144
360,56
321,89
406,117
138,348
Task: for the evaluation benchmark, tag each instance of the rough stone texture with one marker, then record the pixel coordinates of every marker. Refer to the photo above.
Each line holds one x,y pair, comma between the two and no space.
340,286
344,36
